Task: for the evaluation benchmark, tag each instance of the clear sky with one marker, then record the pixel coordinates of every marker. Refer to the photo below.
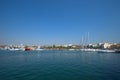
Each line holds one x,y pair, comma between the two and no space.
59,21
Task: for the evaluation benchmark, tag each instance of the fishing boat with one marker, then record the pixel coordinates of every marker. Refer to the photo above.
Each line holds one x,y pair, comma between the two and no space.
27,49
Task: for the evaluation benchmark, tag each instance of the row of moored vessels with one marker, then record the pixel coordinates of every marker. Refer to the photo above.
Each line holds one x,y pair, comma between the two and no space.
21,49
101,50
83,50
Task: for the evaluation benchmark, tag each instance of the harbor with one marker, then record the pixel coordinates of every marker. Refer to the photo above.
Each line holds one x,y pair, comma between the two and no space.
99,47
59,39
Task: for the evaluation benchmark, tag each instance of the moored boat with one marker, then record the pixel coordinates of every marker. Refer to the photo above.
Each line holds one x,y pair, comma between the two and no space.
89,50
117,51
106,51
27,49
13,49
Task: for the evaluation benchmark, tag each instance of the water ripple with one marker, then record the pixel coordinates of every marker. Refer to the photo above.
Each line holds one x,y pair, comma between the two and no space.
58,65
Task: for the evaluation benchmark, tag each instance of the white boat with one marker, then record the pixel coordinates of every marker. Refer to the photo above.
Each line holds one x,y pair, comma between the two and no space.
39,49
22,49
13,49
89,50
98,50
106,51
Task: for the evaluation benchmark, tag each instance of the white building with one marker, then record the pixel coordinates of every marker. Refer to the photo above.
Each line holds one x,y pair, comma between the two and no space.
107,45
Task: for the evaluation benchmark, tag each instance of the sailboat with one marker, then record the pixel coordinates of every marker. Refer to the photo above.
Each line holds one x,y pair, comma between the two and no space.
96,50
84,41
106,51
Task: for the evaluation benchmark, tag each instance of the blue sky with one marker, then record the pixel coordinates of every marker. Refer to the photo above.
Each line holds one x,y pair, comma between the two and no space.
59,21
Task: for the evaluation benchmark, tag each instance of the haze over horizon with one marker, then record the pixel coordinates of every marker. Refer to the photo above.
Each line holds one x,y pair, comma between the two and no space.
59,21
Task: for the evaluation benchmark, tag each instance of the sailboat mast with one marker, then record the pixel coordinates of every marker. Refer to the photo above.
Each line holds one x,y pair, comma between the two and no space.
88,38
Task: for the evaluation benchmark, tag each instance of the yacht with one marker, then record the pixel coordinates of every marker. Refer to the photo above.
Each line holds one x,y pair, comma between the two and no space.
106,51
89,50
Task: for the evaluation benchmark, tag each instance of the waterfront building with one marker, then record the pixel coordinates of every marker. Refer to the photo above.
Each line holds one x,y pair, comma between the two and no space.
107,45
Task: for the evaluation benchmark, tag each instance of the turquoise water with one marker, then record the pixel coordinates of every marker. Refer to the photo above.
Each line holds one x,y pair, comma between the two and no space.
59,65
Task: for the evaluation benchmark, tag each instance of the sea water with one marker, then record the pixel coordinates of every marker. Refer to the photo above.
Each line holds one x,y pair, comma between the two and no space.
59,65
